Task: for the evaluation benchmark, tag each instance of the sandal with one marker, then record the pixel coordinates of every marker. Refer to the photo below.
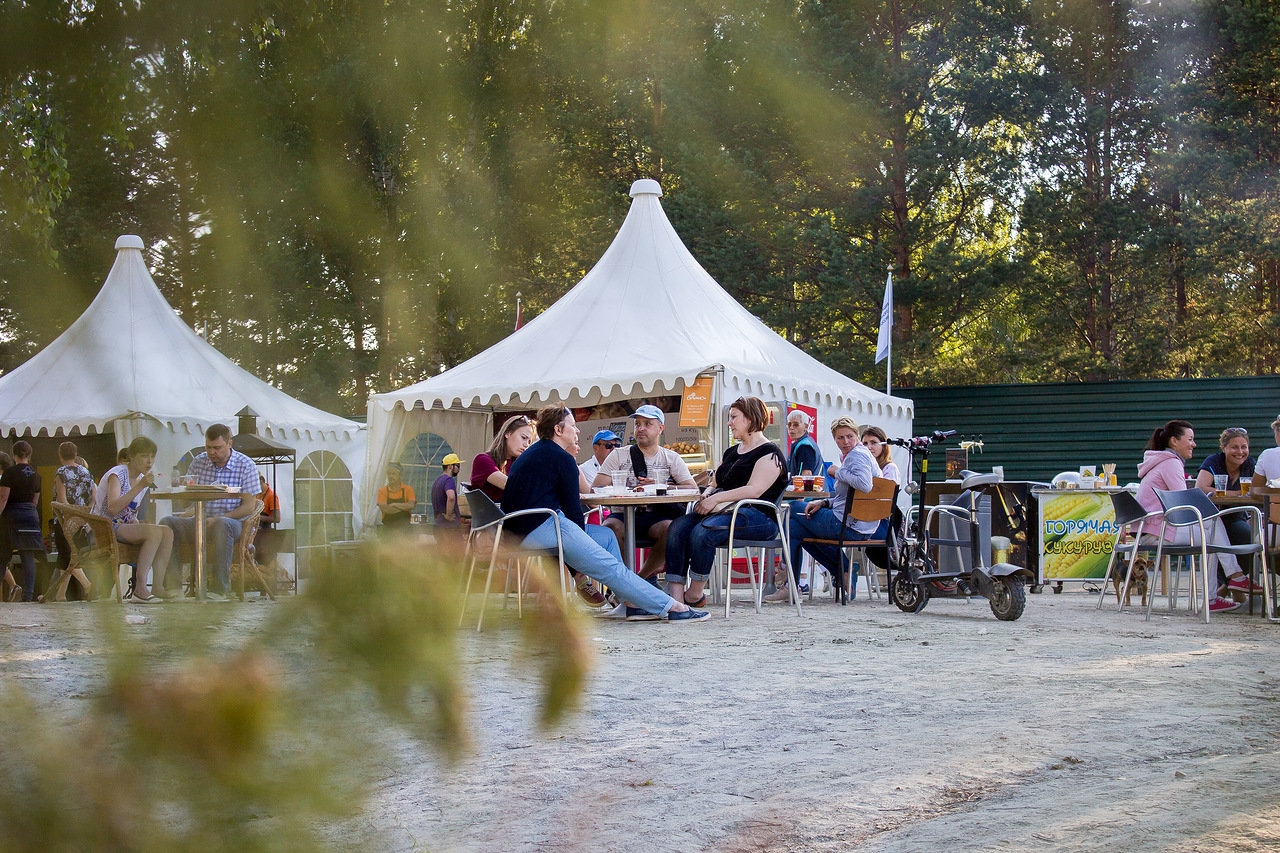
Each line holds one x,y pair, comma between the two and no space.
701,602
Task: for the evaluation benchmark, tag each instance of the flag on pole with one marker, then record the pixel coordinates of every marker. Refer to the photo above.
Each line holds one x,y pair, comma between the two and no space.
519,312
886,321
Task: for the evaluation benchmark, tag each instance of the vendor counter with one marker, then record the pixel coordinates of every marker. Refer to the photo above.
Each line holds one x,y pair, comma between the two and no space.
1077,529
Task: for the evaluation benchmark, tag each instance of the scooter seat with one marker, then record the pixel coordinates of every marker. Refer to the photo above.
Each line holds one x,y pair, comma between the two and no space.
974,481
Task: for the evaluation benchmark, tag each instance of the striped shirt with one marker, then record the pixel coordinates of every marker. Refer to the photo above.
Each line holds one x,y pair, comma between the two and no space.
239,473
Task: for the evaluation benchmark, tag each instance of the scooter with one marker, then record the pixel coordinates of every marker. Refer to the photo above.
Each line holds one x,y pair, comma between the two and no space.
915,577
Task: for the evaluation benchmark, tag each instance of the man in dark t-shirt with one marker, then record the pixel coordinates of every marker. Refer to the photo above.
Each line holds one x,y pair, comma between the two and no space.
444,493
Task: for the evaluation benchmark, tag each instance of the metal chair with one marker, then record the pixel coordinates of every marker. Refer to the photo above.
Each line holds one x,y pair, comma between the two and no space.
873,506
1130,517
488,516
780,511
1191,508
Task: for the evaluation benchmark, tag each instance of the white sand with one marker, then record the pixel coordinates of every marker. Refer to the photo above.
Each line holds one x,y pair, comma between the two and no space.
852,728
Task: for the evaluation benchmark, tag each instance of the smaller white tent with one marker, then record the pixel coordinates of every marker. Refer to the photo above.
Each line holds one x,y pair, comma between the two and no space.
645,321
130,366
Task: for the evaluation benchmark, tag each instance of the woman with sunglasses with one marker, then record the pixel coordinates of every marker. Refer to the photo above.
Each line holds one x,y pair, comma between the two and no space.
489,470
1232,460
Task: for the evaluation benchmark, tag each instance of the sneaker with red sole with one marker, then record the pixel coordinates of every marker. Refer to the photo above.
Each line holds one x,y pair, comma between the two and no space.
1245,585
1223,605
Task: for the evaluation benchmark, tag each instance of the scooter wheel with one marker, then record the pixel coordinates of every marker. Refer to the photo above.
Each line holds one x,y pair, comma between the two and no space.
1008,597
907,595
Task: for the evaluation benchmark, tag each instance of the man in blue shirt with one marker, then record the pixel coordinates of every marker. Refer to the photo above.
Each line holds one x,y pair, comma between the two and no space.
220,464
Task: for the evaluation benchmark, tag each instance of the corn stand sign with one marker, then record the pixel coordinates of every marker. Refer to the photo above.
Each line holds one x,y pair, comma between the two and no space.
1077,530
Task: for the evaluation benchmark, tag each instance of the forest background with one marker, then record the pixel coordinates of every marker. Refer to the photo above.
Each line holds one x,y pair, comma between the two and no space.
346,196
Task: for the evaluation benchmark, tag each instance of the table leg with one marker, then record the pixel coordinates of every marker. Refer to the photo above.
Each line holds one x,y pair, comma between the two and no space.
199,546
629,554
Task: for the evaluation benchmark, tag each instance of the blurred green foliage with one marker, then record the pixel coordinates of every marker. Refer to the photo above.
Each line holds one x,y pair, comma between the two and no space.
210,737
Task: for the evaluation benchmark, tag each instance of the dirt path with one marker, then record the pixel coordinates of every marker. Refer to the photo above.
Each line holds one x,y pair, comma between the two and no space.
855,728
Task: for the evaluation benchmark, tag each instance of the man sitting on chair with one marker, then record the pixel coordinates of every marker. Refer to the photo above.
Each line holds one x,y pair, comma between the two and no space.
822,519
546,477
219,464
642,458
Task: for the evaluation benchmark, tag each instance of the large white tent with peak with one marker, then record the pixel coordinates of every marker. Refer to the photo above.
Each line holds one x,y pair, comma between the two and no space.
130,366
645,321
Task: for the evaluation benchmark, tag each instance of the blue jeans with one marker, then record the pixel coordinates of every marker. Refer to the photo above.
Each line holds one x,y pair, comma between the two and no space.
594,552
824,525
692,540
220,533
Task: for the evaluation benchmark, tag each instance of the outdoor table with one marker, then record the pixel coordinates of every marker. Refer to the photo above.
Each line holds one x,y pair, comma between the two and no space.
628,503
197,495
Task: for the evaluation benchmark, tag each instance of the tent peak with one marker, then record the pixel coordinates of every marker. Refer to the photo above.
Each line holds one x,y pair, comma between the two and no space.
646,186
128,241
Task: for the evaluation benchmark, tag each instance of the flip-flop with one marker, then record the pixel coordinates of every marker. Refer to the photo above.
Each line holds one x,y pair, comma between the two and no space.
701,602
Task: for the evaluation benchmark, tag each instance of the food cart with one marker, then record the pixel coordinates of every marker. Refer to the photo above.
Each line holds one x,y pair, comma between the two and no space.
1076,529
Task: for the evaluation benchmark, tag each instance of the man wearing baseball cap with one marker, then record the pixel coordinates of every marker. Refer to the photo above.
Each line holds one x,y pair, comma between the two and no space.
642,460
444,493
604,441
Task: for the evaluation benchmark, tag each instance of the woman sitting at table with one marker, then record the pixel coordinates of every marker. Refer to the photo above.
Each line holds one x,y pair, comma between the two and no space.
752,469
1163,468
120,493
489,470
1233,462
821,519
876,441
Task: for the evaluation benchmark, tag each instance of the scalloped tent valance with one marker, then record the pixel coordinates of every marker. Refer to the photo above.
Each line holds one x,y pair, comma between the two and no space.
646,320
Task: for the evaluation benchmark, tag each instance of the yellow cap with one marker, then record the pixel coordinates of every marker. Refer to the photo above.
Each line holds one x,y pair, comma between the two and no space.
451,459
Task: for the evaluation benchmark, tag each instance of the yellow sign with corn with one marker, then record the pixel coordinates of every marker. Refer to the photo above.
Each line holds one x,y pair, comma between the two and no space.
1077,530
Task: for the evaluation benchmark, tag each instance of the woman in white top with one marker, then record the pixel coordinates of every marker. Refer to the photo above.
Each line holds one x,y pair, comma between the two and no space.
875,440
120,493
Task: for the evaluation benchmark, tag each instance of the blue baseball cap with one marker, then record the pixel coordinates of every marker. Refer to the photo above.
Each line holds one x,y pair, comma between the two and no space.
605,435
651,412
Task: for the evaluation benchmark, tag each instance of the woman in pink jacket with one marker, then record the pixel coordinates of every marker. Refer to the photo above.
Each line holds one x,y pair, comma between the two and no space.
1164,467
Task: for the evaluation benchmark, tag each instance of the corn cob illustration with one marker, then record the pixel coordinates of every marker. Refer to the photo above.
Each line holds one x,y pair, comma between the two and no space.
1078,533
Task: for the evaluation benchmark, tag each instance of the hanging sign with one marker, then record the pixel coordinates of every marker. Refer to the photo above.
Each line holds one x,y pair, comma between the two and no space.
695,405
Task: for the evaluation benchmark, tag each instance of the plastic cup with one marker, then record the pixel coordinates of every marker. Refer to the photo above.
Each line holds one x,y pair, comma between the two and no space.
619,482
1220,483
659,475
808,484
1245,484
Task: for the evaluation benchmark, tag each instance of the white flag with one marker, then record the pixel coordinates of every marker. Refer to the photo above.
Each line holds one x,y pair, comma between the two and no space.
886,321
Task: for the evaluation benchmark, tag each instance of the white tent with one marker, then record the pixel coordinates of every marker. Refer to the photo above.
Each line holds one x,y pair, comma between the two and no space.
646,320
130,366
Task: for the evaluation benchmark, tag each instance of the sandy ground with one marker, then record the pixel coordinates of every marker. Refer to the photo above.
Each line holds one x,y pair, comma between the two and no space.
852,728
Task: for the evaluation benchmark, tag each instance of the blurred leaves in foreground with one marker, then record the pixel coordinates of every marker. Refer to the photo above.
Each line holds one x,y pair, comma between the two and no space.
215,732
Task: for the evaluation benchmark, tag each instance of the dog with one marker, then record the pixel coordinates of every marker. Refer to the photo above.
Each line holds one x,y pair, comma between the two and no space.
1141,565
